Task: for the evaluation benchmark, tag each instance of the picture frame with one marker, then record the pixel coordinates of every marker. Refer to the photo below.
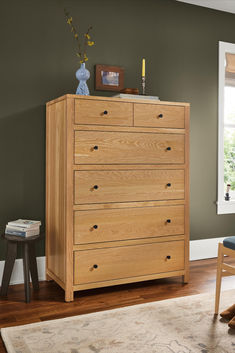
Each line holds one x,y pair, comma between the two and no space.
109,78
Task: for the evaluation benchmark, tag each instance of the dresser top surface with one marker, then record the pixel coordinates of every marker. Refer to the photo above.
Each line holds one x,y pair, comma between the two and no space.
115,99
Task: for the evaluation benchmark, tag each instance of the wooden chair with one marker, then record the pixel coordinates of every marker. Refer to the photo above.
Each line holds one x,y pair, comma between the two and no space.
223,269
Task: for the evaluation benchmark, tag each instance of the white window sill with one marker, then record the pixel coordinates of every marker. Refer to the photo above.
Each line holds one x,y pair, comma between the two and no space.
226,207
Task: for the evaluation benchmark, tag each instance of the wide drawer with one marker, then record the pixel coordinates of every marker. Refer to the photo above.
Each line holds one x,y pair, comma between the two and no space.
103,112
128,185
154,115
93,147
127,261
130,223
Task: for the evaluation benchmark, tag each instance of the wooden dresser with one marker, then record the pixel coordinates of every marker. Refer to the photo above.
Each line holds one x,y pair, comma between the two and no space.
117,191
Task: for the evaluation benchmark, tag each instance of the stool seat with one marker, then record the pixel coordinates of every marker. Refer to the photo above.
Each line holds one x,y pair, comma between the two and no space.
229,242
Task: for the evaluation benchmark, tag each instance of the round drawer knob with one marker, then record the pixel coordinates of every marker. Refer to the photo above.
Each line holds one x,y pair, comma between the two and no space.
168,148
95,187
95,226
168,257
95,148
168,220
105,112
95,266
168,184
160,115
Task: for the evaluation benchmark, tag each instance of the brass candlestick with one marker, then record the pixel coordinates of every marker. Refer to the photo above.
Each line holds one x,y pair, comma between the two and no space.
143,85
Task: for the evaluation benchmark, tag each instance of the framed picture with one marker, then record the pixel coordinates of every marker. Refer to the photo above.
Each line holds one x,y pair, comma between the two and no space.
109,78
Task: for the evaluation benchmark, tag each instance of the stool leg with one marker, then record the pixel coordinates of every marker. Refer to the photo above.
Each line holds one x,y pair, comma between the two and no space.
33,266
8,267
218,277
26,272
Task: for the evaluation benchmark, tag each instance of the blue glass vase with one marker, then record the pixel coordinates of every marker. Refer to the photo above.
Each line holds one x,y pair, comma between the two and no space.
83,75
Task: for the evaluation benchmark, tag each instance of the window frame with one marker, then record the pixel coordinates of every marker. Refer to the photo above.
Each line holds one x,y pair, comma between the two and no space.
223,207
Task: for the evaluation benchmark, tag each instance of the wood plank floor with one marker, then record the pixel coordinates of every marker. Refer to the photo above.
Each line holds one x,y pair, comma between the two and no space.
49,303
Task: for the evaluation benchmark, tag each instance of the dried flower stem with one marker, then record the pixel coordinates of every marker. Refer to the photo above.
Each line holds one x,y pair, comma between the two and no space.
86,42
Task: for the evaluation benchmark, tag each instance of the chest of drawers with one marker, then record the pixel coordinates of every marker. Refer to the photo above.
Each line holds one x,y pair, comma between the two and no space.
117,191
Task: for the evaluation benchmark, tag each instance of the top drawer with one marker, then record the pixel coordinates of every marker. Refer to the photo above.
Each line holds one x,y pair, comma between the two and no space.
157,115
103,112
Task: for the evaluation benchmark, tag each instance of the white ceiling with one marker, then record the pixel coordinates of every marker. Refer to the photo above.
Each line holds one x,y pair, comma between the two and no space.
222,5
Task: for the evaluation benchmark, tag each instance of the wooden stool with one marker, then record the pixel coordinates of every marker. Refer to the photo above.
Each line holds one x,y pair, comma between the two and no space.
223,269
29,263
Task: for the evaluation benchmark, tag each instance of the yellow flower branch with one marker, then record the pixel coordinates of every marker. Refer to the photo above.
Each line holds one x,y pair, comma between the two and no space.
81,54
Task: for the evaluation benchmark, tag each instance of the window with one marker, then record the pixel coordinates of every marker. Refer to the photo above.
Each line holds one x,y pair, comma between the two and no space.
226,143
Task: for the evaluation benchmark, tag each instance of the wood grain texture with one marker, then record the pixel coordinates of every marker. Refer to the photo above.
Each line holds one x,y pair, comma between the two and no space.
131,223
131,167
153,115
127,166
55,192
103,112
121,281
123,186
218,277
149,130
187,194
140,241
113,99
108,206
49,110
51,276
130,148
130,261
69,294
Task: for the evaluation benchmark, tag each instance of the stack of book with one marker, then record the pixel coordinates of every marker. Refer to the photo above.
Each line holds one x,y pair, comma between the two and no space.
23,228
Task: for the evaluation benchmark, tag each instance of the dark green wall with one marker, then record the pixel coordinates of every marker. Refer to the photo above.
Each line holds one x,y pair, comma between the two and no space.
37,64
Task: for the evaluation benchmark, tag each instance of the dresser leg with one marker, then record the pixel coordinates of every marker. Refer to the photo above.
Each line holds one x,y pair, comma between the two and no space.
69,296
185,277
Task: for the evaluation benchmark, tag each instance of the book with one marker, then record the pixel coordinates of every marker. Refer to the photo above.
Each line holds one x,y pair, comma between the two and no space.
25,223
135,96
22,229
25,234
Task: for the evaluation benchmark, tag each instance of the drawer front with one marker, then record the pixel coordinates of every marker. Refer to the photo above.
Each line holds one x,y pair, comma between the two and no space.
93,147
130,223
153,115
103,112
128,185
127,261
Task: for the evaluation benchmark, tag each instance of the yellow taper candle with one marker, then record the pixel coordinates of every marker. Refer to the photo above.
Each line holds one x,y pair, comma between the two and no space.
143,67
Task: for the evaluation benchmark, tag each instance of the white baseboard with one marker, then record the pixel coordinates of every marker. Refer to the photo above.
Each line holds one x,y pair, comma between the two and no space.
199,249
204,248
18,275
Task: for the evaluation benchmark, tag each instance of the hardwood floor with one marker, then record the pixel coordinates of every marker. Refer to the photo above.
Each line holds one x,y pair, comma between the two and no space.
49,303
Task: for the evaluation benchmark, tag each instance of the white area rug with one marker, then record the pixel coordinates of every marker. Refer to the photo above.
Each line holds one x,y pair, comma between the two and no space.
182,325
